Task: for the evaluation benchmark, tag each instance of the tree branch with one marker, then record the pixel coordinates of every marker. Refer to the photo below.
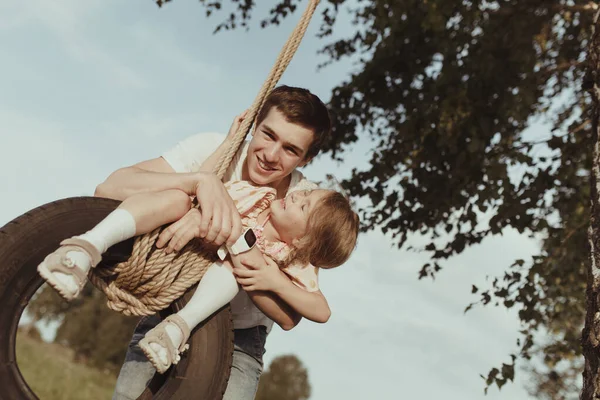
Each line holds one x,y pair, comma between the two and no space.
561,67
589,7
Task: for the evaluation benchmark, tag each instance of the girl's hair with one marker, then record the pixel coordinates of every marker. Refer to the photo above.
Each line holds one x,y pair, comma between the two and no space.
331,233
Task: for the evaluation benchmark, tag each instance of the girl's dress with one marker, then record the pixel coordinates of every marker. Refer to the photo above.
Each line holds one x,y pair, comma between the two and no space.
250,201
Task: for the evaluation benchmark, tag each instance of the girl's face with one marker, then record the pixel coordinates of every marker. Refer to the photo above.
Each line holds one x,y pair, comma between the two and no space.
289,216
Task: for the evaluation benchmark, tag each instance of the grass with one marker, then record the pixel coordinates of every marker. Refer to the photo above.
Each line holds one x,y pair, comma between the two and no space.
53,374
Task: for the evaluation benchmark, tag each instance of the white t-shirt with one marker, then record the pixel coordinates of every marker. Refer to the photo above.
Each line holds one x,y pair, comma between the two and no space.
187,156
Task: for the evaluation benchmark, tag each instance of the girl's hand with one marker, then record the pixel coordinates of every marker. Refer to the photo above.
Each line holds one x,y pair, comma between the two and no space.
260,276
181,232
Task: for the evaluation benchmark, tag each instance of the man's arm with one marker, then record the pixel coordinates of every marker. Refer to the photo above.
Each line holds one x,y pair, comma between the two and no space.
153,175
219,218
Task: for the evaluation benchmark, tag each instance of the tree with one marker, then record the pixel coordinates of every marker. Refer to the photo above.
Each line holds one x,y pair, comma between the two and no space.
446,90
96,334
286,379
556,384
591,332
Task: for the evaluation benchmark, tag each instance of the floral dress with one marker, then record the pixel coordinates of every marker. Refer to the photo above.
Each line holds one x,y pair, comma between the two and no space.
252,200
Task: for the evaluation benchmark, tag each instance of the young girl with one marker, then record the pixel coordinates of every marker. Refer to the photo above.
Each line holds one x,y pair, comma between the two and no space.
316,226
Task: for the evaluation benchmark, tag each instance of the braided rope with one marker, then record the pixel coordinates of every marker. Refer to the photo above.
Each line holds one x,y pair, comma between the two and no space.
152,279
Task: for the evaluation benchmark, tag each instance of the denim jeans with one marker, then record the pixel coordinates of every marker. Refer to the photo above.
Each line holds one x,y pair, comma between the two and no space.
249,347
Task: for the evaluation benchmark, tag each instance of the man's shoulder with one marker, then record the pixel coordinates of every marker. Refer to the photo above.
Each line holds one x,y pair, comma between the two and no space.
205,138
190,153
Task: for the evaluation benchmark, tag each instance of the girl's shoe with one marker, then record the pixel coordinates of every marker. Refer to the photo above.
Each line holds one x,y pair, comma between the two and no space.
59,262
159,335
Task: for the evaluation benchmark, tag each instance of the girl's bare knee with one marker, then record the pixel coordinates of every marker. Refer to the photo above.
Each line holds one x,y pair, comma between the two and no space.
178,200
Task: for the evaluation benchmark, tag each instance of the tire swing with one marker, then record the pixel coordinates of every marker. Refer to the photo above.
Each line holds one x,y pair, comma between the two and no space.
137,278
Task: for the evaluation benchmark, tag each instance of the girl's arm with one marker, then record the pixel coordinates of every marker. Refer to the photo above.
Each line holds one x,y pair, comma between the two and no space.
272,306
256,272
275,308
311,305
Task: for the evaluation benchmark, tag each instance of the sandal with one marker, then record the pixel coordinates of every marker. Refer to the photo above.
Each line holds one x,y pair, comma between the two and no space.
58,262
159,335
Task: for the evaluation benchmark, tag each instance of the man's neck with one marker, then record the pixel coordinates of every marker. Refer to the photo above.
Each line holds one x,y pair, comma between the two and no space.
282,186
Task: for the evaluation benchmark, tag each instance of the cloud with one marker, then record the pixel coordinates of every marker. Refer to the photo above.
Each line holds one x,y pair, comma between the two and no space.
13,15
36,164
167,51
68,21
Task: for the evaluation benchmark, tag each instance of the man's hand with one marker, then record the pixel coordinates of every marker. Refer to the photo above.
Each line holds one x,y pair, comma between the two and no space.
220,220
216,221
237,121
259,276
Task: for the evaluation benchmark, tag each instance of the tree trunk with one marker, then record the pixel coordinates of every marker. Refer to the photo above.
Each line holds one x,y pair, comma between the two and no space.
591,331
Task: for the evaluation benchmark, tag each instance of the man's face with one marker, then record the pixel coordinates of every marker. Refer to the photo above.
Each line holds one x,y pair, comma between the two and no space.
289,216
276,149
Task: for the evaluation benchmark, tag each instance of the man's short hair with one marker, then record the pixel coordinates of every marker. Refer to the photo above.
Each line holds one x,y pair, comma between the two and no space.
300,106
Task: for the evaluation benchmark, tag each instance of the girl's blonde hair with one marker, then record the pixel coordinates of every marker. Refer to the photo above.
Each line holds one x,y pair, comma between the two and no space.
331,233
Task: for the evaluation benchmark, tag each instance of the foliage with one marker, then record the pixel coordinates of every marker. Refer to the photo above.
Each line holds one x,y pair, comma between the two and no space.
446,91
561,382
286,379
30,330
92,336
53,374
96,334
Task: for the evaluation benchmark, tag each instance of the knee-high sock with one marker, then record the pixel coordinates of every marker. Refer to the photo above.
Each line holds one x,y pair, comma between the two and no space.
217,288
118,226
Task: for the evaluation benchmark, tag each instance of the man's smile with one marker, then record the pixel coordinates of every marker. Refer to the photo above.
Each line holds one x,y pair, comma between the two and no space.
265,166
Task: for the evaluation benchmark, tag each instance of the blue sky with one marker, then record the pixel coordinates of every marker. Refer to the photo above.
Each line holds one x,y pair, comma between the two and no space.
88,87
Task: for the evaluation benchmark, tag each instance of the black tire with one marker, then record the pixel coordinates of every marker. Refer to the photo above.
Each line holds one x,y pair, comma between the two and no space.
203,371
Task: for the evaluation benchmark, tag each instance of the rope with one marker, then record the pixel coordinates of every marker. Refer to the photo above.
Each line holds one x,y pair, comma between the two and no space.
151,279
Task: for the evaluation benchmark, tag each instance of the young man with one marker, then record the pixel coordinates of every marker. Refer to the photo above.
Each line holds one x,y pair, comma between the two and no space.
291,128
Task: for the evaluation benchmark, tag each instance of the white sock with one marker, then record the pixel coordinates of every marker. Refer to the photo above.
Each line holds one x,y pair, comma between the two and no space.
216,288
118,226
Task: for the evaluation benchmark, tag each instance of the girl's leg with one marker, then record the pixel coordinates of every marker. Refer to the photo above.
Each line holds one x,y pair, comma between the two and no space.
151,210
136,215
216,288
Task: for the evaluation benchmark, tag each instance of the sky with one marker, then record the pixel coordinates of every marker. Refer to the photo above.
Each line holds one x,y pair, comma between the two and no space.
89,87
